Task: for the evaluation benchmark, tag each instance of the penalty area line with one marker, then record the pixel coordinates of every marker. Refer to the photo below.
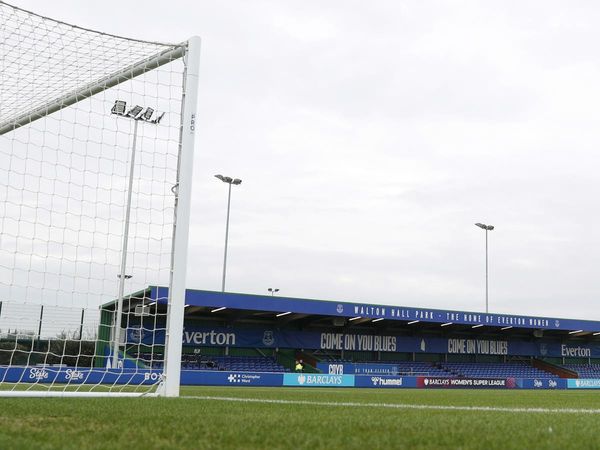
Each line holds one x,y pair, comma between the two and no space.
397,405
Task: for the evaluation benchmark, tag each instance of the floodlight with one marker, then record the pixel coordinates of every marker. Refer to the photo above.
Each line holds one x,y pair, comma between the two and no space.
377,320
283,314
218,309
119,107
414,321
354,318
237,181
220,177
147,115
490,227
480,225
135,111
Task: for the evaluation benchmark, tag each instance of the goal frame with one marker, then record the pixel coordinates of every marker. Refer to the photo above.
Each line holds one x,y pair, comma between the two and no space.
182,190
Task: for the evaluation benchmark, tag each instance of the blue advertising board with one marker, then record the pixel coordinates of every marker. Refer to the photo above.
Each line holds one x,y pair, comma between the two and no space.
583,383
317,380
71,375
197,336
225,378
346,309
385,382
542,383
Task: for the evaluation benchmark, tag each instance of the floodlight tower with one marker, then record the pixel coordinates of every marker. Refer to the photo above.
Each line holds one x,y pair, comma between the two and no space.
273,291
137,114
486,228
229,181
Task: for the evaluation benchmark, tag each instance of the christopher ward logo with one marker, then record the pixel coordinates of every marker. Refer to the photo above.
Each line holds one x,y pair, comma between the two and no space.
234,378
242,378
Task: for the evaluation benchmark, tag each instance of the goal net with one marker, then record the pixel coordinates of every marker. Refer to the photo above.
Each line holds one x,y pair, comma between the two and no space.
96,149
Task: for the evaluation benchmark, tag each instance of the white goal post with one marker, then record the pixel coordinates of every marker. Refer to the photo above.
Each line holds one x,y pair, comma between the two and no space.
96,157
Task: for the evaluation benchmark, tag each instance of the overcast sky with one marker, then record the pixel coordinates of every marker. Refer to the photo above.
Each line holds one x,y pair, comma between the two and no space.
371,136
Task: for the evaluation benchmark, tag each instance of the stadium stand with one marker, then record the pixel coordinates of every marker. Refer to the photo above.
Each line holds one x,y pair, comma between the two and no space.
584,370
412,368
519,369
230,363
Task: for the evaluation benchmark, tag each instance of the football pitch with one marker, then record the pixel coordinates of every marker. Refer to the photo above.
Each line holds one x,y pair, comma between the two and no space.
307,418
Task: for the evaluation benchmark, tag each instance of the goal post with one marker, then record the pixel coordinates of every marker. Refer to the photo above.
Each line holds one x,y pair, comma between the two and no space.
183,200
96,158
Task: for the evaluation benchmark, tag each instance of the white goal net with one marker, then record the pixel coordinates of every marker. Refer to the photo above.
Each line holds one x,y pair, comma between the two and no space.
96,148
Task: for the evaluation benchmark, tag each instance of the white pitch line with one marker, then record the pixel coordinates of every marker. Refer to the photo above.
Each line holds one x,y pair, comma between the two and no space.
399,405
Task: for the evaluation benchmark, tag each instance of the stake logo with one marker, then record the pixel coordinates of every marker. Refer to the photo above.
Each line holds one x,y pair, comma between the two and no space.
73,375
38,374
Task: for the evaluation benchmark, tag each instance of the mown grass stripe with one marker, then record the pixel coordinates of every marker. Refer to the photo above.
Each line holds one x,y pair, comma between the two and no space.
398,405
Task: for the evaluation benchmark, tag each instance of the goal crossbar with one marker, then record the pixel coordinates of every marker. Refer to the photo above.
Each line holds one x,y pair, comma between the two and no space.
95,87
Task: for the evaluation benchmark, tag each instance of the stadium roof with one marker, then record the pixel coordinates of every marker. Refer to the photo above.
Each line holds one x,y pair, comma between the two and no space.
325,312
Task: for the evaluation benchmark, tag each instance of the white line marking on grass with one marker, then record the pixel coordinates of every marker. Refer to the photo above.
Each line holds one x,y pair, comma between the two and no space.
398,405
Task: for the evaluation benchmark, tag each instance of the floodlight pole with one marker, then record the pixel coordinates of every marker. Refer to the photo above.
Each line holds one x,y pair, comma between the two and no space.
137,113
226,239
229,181
122,276
486,228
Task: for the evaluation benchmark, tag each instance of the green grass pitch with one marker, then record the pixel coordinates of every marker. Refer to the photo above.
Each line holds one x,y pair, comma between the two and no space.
307,418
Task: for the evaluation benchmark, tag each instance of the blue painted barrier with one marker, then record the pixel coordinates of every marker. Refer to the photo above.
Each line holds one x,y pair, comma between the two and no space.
121,376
